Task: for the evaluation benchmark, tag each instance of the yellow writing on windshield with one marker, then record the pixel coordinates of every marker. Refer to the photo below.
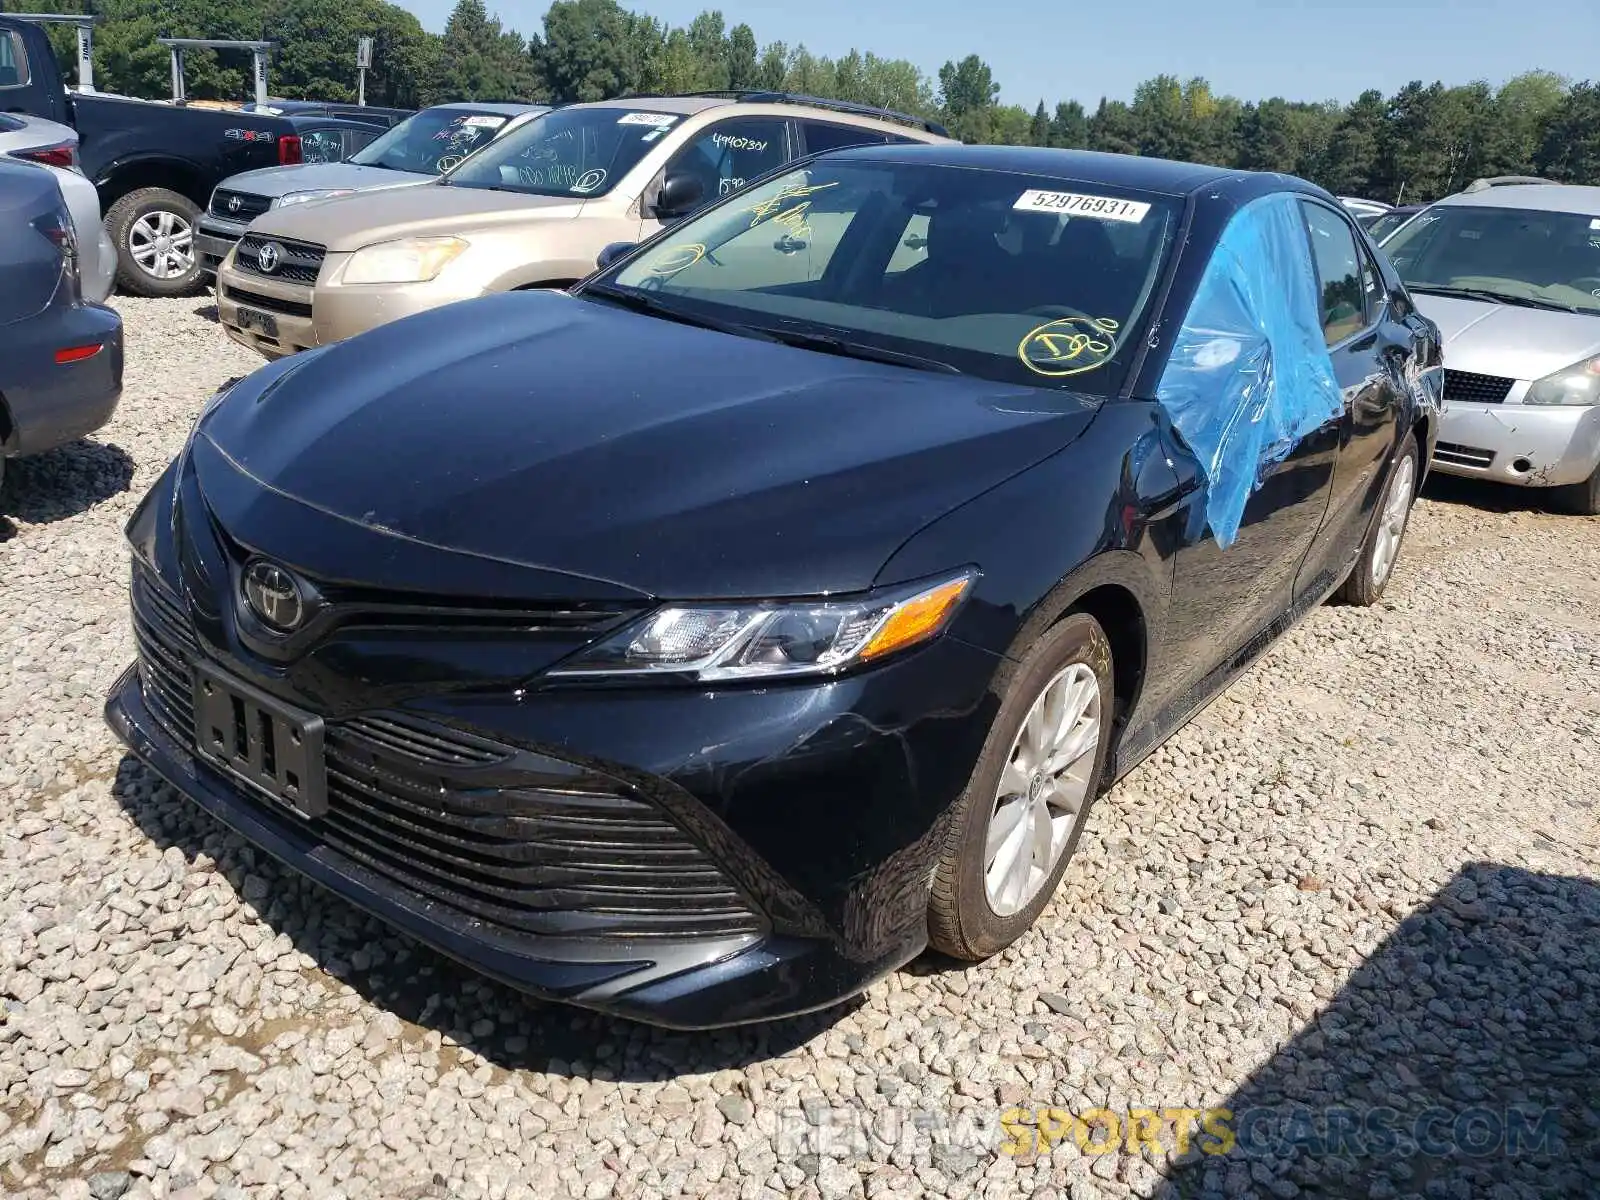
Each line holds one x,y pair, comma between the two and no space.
763,209
1069,345
676,258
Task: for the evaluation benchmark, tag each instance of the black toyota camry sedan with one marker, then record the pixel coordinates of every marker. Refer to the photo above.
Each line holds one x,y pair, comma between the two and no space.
704,642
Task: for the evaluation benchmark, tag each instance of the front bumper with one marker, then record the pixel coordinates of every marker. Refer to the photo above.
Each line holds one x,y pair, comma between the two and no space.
1527,444
214,238
822,806
50,403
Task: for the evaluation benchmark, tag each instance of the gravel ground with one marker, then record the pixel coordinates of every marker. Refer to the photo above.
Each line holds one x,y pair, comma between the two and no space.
1365,876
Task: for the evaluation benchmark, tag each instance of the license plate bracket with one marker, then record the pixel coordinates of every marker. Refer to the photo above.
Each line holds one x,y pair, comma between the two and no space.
273,747
263,323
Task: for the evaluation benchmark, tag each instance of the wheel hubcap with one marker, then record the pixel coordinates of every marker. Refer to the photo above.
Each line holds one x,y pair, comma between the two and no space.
1392,521
162,243
1044,790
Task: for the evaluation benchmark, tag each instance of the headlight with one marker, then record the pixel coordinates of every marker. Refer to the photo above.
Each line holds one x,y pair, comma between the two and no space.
1577,384
706,642
409,260
315,194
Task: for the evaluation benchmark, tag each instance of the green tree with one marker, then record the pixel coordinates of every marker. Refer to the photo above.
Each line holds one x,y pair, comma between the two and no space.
1039,128
743,68
774,66
1353,167
967,93
1069,128
479,59
593,49
1571,147
1113,128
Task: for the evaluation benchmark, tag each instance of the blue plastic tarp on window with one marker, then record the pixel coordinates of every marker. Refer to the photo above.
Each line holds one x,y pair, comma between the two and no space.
1249,374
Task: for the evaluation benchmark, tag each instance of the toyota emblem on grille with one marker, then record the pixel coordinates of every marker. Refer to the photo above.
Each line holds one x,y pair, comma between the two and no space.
267,257
274,595
234,203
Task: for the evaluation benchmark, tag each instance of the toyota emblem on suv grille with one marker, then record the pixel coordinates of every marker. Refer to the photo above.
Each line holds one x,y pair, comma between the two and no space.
274,595
267,257
234,203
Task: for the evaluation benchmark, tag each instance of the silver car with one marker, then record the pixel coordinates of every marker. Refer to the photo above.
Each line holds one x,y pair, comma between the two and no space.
417,150
1511,275
54,148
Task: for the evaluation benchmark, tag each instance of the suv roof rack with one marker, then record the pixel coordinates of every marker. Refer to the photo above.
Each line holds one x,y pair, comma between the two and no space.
1494,181
761,96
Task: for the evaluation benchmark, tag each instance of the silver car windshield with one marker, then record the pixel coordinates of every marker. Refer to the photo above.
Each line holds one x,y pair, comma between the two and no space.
431,141
1517,256
576,152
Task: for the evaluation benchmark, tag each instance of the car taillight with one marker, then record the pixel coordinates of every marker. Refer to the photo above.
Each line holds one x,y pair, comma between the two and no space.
289,151
58,229
65,155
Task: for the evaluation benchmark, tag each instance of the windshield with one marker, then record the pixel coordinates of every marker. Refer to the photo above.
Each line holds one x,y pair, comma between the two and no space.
1387,224
568,152
432,141
1548,258
1019,278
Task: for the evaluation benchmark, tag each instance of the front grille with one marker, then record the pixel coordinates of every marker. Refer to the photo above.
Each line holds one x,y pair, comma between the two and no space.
1476,389
1457,455
238,206
454,819
292,308
298,262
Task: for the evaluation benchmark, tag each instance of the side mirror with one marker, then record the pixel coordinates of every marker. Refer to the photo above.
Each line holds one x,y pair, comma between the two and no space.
613,252
679,195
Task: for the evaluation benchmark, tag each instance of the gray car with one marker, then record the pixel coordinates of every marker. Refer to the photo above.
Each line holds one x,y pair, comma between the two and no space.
1511,275
60,355
54,147
417,150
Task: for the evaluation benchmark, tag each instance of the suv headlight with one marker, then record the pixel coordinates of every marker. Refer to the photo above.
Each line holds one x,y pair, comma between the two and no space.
1577,384
409,260
313,194
708,642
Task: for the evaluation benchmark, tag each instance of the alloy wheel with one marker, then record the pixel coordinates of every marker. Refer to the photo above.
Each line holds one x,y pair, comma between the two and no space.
1044,789
1392,521
162,243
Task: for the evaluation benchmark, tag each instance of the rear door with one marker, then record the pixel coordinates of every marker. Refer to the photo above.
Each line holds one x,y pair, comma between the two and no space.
1369,352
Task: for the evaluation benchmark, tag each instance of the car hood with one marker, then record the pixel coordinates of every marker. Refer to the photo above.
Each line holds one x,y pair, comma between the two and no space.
1502,339
350,222
552,432
306,177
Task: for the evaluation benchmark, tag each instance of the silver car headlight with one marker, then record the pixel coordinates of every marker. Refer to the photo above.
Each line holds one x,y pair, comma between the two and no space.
709,642
1577,384
408,260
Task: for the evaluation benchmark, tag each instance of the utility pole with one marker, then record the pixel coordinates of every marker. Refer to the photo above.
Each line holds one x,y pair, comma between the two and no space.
363,62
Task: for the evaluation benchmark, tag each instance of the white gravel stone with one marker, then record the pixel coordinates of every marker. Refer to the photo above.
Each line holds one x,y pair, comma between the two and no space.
1364,875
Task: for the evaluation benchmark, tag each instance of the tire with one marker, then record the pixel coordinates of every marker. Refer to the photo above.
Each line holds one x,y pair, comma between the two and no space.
966,919
1365,584
135,224
1581,498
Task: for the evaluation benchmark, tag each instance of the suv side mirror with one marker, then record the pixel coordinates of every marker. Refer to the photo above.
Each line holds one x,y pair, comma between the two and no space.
679,195
613,252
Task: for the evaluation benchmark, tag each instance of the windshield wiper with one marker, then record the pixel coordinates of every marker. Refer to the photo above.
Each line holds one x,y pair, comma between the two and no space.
646,303
828,343
1474,293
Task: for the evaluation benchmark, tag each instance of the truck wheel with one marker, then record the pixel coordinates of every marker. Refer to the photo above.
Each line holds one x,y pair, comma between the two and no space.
153,231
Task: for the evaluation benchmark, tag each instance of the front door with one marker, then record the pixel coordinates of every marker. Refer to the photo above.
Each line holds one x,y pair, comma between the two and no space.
726,155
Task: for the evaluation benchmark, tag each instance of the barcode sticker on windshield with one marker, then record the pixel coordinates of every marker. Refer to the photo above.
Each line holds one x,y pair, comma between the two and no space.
1102,208
484,122
659,120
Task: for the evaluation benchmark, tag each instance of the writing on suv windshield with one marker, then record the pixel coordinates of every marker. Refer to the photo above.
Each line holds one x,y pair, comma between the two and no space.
431,142
569,152
1513,256
1011,277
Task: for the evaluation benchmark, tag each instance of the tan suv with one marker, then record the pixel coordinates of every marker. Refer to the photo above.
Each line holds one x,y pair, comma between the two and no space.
533,209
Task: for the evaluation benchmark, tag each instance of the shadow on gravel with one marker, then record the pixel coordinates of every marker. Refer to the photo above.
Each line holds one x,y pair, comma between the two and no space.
1462,1059
63,482
207,312
402,976
1491,497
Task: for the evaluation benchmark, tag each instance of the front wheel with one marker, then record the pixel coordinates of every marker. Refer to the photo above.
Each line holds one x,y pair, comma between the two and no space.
1582,498
1375,567
1024,808
153,231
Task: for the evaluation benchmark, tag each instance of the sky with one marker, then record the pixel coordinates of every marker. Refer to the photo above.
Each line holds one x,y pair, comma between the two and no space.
1292,48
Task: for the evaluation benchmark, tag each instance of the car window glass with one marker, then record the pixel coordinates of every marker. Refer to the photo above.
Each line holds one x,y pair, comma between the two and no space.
1341,295
322,146
727,155
432,141
358,139
571,152
1371,288
13,60
977,270
821,135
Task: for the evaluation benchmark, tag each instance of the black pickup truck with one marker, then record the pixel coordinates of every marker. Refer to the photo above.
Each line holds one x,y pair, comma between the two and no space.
154,164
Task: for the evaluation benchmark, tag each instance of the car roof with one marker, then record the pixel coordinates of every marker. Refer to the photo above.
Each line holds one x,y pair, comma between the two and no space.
490,106
760,103
1113,170
303,120
666,104
1541,197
